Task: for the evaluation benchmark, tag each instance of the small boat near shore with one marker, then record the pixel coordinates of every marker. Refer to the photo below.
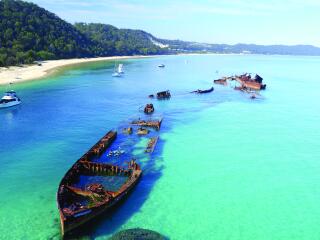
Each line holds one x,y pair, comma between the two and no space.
203,91
9,99
90,188
118,71
161,65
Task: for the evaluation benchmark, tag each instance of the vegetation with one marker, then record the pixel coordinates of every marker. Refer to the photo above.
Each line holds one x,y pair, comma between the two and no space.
110,40
30,33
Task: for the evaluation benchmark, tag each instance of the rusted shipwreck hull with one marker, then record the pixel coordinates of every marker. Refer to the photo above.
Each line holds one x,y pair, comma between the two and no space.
151,144
245,80
148,123
149,108
79,200
221,81
199,91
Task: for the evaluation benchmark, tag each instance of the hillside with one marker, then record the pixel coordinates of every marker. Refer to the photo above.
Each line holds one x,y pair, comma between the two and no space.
110,40
30,33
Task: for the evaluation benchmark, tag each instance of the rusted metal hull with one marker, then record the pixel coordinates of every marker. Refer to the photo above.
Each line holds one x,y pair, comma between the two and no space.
70,218
151,145
199,91
220,81
149,108
163,95
245,80
251,85
150,123
69,224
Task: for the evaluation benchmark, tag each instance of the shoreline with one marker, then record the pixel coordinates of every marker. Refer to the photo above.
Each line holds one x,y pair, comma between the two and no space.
16,74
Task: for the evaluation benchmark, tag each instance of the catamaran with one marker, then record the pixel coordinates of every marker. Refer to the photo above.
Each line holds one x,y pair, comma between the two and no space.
118,72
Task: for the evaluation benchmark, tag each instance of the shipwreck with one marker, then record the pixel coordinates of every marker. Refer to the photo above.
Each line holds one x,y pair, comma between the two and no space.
88,189
246,82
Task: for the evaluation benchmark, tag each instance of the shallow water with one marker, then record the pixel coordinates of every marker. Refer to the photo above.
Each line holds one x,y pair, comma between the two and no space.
226,167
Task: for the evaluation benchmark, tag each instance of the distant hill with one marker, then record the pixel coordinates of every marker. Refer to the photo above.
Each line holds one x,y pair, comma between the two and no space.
184,46
29,33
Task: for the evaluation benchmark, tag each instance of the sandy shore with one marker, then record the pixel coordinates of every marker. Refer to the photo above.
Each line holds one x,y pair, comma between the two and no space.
30,72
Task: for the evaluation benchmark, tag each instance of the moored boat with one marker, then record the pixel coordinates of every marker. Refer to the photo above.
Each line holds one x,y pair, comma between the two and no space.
118,71
9,99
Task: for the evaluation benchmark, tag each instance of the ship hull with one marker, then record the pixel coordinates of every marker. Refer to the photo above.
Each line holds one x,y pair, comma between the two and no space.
10,104
68,225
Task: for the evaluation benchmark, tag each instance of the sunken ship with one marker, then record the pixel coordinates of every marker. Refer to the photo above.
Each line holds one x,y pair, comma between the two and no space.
84,193
246,82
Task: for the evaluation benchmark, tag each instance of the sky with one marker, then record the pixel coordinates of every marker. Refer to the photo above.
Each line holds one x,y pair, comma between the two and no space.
265,22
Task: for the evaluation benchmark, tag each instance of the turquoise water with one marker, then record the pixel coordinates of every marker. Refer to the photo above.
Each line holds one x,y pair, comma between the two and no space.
226,167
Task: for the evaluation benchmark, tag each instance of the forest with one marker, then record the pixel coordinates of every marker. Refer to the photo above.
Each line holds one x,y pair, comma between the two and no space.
30,33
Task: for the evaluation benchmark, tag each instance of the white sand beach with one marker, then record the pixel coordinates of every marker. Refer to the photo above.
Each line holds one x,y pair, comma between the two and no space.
17,74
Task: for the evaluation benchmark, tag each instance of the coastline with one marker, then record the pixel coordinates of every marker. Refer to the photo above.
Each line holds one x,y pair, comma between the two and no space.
16,74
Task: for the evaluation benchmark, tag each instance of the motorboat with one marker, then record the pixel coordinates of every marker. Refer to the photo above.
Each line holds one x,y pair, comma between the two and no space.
9,99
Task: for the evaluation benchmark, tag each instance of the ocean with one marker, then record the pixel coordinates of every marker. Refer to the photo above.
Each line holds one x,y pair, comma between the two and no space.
226,167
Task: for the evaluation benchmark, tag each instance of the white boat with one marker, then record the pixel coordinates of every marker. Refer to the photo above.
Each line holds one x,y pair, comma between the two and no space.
161,65
9,99
120,68
118,71
116,74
